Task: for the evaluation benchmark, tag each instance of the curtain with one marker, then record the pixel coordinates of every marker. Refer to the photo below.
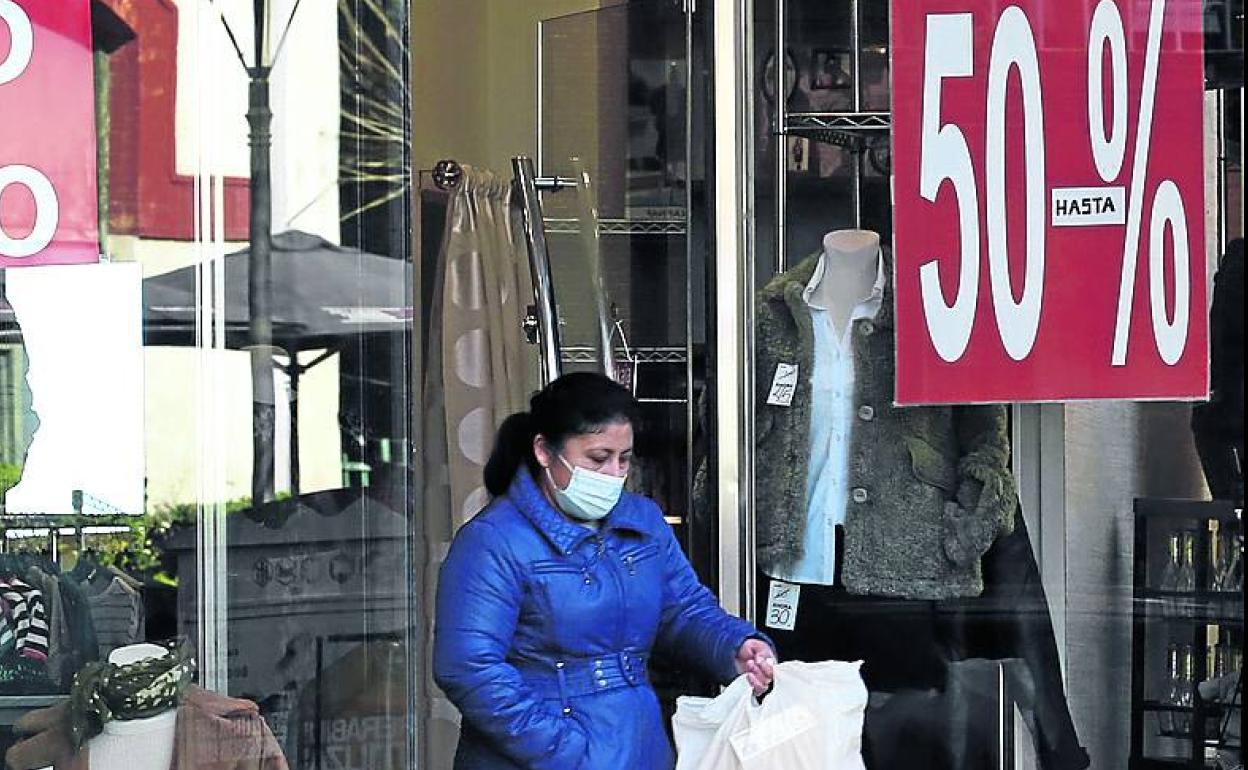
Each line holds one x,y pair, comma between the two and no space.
478,371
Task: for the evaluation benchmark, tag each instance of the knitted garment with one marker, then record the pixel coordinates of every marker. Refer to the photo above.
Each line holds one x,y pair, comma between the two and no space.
104,692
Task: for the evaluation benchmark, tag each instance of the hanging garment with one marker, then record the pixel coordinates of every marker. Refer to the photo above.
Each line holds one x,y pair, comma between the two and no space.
82,630
116,612
811,720
59,644
28,616
8,636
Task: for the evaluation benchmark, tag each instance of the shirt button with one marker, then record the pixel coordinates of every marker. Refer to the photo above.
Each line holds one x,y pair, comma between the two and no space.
866,328
866,413
860,495
559,664
566,711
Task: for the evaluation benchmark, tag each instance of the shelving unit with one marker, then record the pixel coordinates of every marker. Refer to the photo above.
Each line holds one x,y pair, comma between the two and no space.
824,132
1162,619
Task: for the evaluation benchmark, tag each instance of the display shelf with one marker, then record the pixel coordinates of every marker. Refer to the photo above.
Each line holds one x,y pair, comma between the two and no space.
564,226
1189,621
584,354
1218,607
800,122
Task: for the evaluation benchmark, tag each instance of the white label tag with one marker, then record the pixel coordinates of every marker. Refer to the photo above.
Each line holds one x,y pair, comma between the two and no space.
783,385
1087,206
782,605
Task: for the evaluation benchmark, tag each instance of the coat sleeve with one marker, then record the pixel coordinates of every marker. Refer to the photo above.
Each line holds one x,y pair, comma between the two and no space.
478,605
987,495
693,627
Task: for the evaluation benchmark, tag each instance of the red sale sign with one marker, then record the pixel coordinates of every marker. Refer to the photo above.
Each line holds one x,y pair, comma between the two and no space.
48,204
1049,200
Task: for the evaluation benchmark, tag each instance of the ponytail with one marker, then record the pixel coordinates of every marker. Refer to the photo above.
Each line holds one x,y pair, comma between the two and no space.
574,404
513,447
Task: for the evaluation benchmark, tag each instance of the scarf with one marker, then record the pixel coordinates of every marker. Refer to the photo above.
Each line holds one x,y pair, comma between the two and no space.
104,692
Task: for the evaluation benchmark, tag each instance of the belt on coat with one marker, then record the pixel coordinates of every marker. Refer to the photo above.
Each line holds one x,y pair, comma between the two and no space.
575,677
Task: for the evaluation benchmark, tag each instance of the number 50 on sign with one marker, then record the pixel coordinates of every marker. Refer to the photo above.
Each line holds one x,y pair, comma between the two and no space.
1049,200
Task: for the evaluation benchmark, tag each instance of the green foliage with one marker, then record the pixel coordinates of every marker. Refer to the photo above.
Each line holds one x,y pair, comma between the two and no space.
10,474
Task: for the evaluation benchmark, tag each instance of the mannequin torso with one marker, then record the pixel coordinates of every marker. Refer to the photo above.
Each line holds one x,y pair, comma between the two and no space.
137,744
848,269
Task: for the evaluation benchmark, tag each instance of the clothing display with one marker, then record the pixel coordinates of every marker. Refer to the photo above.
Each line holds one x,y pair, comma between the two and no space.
105,692
47,632
929,488
545,628
920,564
213,732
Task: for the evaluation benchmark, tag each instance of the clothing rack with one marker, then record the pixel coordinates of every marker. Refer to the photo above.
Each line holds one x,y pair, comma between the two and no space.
448,174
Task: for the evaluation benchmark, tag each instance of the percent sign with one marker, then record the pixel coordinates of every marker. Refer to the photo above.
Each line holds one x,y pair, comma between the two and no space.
1168,212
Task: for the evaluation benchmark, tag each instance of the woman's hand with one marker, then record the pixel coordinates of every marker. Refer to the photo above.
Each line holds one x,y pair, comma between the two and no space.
757,661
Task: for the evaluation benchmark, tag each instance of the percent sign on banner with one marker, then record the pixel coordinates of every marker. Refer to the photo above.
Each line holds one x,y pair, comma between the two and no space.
48,198
1049,200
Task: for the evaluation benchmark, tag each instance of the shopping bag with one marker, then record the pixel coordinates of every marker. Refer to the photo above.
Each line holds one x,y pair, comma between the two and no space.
811,720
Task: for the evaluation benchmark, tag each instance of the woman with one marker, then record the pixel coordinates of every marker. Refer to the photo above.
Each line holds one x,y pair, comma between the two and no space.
553,598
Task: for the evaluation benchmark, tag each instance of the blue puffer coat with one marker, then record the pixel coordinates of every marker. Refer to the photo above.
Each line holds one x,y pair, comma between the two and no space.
544,628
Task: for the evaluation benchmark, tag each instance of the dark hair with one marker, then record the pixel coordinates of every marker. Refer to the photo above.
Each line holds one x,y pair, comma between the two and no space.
572,405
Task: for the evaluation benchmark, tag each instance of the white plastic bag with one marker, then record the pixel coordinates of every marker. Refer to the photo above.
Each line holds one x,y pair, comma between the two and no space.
812,720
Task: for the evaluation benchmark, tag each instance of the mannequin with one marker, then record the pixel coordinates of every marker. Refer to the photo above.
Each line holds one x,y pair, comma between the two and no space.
138,744
897,526
847,270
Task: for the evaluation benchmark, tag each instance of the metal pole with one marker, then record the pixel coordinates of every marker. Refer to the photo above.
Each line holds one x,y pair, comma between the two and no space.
781,142
733,212
293,374
855,46
260,286
539,265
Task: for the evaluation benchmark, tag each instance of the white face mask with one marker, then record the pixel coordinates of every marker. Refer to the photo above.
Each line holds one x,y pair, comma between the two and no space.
590,495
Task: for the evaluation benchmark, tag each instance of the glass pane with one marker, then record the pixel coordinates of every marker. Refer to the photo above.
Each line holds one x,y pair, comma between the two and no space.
197,461
615,109
1099,620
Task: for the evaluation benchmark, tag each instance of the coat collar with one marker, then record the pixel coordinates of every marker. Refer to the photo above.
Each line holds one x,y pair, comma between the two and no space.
562,533
788,287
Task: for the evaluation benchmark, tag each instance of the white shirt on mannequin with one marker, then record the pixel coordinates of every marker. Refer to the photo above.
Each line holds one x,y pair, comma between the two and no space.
848,284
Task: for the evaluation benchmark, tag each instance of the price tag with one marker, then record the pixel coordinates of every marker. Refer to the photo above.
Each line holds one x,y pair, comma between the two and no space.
783,385
782,601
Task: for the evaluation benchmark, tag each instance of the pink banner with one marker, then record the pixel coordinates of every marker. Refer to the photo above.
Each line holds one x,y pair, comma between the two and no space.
48,199
1049,200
